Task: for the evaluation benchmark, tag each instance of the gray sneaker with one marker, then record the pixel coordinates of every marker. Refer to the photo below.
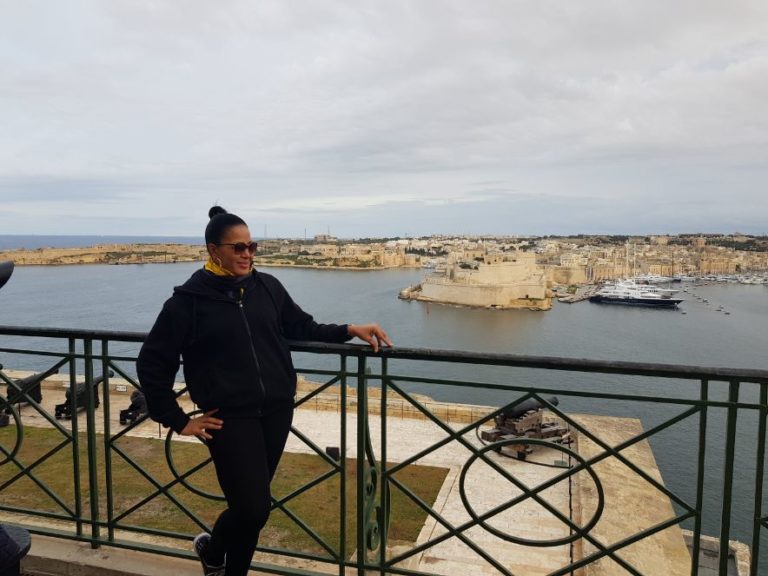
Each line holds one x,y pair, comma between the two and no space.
200,544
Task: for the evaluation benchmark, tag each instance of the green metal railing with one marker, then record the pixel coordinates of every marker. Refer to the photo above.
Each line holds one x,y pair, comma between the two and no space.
724,409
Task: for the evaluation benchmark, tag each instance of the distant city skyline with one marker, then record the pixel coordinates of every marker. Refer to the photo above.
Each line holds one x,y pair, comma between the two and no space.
31,241
371,119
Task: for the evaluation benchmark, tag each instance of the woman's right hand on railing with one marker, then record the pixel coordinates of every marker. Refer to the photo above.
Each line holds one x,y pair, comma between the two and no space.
200,425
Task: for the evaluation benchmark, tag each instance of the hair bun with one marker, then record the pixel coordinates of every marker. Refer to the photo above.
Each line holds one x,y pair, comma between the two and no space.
215,211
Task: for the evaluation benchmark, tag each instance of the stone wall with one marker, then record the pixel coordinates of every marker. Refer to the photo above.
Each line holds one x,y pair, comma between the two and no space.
531,295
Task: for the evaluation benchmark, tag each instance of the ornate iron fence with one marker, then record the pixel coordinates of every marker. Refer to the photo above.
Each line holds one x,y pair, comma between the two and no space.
598,500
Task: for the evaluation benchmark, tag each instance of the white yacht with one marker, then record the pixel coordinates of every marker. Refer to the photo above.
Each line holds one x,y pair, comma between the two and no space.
654,279
629,283
629,293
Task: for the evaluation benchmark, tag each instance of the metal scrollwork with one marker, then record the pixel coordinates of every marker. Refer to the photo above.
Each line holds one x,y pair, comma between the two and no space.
182,478
372,511
375,516
575,535
8,409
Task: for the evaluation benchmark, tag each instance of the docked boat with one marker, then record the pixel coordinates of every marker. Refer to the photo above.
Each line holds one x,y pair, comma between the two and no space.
634,295
655,279
632,284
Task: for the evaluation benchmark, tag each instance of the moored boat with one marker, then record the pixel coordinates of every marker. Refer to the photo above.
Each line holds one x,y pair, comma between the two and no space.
634,295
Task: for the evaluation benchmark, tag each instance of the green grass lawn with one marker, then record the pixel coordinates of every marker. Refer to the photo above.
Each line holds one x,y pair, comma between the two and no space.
318,507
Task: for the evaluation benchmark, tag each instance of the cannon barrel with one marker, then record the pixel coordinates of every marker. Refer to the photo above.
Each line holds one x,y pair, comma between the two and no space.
530,404
6,269
27,380
81,386
30,384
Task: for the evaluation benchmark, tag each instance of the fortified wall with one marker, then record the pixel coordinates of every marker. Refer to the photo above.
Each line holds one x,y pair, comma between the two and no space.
493,283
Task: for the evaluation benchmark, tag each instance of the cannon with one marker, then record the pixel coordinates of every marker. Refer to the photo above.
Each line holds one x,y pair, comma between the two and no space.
529,405
24,390
136,409
64,410
525,420
6,269
28,387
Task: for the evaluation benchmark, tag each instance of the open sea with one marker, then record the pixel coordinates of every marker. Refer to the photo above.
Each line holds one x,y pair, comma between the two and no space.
32,242
129,297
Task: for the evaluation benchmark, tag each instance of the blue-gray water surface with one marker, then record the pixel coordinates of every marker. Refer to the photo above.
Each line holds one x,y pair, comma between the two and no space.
128,298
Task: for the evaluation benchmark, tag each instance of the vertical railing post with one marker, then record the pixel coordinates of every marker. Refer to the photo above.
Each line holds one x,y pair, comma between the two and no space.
90,412
343,462
730,445
106,413
759,476
362,431
704,395
383,480
75,437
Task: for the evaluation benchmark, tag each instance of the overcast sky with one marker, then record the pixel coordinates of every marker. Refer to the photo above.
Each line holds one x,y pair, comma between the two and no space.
382,118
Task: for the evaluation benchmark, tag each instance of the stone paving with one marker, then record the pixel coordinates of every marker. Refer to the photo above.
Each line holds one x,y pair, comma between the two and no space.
485,489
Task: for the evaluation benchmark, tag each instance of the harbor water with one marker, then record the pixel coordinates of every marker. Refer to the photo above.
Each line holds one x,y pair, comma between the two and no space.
128,298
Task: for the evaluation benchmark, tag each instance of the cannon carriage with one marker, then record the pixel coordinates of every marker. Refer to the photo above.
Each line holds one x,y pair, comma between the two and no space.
64,410
524,420
136,409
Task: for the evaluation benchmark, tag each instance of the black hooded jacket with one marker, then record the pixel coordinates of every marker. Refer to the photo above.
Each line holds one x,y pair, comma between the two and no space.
231,335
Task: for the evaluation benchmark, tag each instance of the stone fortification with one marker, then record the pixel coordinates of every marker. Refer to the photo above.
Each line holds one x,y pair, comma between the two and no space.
494,283
528,296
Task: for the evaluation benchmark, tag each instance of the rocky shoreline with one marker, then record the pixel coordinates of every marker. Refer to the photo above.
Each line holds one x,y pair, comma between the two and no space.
106,254
141,254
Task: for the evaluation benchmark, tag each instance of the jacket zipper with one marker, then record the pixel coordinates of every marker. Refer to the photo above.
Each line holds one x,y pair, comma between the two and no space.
253,349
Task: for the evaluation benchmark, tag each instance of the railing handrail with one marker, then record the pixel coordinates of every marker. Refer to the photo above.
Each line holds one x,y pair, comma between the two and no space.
680,371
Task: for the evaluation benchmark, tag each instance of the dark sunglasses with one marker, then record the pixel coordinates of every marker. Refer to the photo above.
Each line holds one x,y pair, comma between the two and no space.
240,247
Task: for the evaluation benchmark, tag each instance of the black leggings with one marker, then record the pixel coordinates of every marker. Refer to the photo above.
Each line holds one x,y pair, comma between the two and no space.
246,452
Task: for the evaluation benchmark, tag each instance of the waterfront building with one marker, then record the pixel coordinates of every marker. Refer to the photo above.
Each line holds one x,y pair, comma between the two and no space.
325,250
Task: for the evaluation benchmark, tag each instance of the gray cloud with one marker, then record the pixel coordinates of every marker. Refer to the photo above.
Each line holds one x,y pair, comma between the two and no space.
274,108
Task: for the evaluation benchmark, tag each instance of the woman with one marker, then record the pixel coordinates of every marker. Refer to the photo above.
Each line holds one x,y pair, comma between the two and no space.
230,324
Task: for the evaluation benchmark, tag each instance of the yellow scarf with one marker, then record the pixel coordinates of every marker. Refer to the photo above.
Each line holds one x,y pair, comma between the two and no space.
214,268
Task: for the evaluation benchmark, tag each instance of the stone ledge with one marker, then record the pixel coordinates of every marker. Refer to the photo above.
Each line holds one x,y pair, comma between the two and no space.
59,557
